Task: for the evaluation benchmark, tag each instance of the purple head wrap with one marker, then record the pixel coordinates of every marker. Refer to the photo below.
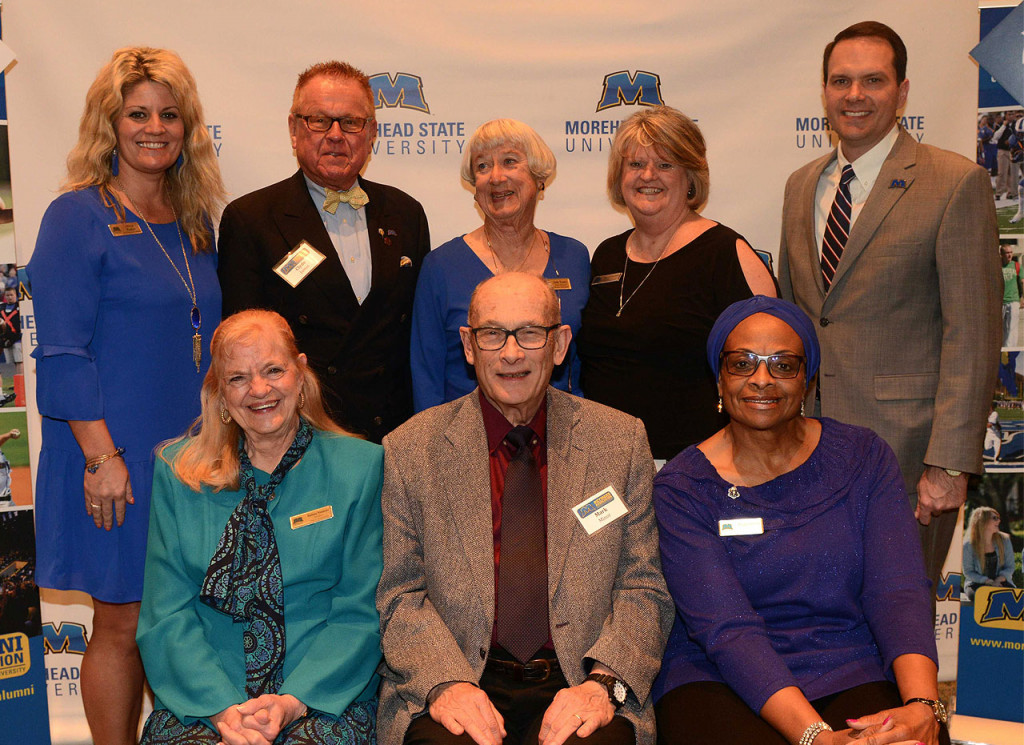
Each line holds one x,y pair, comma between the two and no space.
795,318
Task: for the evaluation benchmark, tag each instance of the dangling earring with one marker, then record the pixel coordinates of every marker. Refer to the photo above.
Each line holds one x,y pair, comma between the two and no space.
719,404
302,399
801,408
179,162
113,162
225,418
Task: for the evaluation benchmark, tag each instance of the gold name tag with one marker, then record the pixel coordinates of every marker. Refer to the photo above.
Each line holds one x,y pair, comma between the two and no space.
559,283
313,516
604,279
121,229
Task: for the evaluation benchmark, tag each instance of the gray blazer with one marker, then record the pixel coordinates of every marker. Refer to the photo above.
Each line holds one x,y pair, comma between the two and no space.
607,598
910,328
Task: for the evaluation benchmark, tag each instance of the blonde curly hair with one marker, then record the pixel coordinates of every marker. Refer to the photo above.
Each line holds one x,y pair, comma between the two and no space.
195,189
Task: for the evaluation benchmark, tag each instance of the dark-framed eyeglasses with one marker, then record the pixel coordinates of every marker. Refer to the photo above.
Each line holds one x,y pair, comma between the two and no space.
744,364
491,338
322,123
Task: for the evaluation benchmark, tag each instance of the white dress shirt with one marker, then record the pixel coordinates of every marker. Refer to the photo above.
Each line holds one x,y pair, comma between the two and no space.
865,171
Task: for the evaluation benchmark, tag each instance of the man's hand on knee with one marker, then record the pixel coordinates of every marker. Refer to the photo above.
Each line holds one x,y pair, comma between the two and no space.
464,708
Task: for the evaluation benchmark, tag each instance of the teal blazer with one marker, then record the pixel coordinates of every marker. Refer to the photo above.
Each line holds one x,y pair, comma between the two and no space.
193,654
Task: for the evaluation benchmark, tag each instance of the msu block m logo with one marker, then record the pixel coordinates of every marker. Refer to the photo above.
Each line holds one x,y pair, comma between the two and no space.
65,637
404,91
1000,607
620,88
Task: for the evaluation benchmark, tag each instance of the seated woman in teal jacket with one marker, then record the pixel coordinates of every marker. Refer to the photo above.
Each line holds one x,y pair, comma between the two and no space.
258,621
988,553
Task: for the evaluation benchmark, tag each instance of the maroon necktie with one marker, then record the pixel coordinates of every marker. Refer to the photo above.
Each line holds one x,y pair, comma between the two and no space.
522,612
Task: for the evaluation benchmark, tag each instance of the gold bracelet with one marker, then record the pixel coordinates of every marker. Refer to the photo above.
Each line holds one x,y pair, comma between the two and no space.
93,464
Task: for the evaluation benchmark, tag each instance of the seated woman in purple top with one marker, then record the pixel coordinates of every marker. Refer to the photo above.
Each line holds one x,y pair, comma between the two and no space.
803,611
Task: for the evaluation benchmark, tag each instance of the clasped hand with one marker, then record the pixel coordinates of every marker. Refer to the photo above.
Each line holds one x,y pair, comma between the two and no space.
464,708
907,725
257,721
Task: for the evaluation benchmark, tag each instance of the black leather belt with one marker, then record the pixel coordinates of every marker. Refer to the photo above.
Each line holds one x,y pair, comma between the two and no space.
537,670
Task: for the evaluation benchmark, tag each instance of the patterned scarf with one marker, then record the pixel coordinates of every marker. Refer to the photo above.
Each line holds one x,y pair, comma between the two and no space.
244,578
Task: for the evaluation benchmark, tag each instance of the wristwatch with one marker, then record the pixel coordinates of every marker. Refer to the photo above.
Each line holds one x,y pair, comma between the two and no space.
938,708
617,690
952,472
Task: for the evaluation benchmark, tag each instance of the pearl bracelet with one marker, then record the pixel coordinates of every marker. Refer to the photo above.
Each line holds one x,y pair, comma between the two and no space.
813,731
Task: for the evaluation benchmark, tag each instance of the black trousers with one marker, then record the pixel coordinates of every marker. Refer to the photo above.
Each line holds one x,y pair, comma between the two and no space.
522,704
708,713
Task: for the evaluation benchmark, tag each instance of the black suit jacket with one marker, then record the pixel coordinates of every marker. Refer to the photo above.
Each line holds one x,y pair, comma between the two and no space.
360,352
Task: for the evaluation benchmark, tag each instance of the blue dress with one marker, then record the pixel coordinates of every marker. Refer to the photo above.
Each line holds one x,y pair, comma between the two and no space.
114,342
447,278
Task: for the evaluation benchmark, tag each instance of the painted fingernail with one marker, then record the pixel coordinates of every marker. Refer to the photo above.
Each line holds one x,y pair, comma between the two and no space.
851,721
886,720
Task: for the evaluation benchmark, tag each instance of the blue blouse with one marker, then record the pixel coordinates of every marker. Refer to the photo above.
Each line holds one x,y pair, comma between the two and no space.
448,277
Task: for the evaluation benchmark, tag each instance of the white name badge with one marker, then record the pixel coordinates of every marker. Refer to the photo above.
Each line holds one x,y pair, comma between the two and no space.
741,526
298,263
600,510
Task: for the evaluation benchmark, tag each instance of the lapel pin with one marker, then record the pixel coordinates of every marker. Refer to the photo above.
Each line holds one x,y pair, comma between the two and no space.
404,261
898,183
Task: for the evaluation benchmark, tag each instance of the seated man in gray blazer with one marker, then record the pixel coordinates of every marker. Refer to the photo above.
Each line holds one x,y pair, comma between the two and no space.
522,594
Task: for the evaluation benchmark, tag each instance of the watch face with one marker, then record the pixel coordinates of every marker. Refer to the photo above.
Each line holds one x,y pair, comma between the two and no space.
619,692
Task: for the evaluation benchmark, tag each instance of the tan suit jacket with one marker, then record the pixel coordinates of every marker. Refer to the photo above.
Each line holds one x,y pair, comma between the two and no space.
607,598
910,328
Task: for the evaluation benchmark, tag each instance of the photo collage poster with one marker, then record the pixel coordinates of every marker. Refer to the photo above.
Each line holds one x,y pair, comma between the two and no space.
990,680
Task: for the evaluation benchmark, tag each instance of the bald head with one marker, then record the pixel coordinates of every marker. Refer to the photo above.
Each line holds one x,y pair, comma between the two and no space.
527,291
513,377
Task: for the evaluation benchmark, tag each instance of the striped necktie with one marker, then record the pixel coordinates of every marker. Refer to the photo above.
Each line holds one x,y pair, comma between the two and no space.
837,227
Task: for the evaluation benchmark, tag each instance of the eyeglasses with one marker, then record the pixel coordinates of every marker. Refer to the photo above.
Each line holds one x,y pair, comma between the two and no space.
744,364
491,339
321,123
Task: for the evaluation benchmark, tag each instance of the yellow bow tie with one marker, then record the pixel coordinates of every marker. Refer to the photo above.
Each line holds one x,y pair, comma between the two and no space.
354,197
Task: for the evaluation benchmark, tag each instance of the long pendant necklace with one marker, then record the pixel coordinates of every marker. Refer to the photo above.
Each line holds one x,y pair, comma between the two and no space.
190,287
499,265
622,285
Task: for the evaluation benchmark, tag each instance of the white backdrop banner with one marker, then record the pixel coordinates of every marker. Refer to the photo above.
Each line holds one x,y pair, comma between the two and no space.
749,73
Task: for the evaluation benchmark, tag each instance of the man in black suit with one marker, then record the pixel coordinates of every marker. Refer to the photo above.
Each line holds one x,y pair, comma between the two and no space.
335,254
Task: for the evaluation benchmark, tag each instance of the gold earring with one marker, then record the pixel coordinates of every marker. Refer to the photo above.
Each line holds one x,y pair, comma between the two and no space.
225,418
719,404
302,399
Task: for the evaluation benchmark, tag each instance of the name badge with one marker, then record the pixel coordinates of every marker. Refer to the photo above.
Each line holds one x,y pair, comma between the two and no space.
313,516
298,263
600,510
121,229
559,283
604,279
741,526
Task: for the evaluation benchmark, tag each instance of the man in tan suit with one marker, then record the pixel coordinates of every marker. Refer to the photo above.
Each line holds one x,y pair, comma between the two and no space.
909,313
450,672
